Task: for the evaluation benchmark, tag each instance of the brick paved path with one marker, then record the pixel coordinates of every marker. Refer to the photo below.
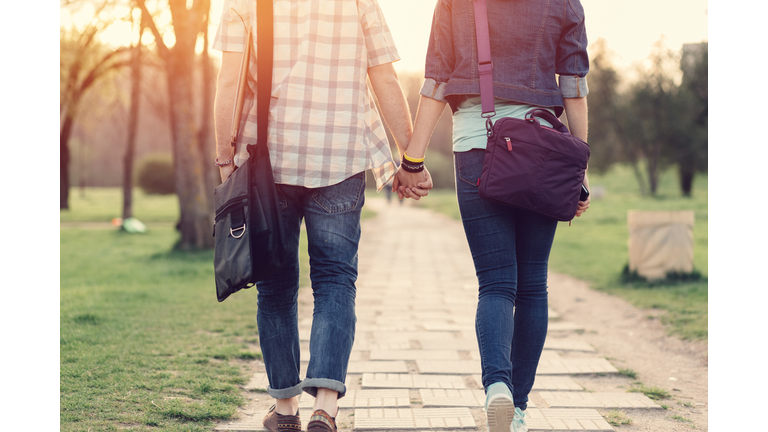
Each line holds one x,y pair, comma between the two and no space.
415,364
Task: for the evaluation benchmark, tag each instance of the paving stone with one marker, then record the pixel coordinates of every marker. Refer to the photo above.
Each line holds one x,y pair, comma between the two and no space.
377,366
444,418
353,356
566,344
365,399
545,382
412,381
597,400
376,328
551,419
367,419
365,345
433,418
563,326
446,326
452,398
553,314
459,367
455,398
414,355
386,337
453,344
552,364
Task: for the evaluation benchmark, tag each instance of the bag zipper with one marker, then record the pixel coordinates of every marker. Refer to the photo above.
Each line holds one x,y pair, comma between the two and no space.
228,206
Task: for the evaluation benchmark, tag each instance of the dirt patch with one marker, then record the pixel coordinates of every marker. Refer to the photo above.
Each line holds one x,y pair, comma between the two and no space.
635,340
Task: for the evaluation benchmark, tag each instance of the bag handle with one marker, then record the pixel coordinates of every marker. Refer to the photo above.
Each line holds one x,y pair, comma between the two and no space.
241,85
548,116
264,51
484,62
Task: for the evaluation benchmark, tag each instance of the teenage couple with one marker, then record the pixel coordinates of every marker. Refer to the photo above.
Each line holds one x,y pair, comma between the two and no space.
325,132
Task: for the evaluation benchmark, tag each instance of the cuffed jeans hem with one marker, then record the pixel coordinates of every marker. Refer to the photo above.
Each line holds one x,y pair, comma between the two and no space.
285,393
310,385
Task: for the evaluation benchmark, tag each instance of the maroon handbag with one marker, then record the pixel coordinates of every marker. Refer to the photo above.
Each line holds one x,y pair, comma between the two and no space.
527,165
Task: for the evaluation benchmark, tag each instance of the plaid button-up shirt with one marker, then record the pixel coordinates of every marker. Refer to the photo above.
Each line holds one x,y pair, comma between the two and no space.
323,124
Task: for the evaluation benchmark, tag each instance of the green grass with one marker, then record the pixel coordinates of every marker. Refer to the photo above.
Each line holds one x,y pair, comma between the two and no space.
143,342
617,418
594,247
655,393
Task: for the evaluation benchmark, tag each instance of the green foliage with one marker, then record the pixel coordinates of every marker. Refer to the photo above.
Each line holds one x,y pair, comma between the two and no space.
617,418
156,176
632,278
654,119
629,373
655,393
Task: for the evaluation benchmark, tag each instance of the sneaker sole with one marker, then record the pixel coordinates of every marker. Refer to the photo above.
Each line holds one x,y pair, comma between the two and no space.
501,411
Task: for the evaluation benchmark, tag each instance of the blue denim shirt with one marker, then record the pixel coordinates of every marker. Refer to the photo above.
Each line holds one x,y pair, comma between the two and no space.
531,42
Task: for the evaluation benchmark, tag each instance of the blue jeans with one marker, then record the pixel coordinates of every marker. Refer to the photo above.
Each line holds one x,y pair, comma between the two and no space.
332,219
510,249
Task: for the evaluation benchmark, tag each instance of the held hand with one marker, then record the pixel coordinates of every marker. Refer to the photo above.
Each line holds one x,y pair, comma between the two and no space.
226,171
409,184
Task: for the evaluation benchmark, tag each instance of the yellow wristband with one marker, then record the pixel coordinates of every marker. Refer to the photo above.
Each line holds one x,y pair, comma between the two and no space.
410,159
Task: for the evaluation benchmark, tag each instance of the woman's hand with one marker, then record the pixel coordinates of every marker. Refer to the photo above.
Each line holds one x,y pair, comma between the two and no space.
584,205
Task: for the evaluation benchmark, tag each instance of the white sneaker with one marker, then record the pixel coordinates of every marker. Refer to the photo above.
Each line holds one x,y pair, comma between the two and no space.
499,408
520,421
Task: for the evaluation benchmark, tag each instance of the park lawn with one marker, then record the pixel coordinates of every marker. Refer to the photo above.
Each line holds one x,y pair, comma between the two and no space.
594,247
144,344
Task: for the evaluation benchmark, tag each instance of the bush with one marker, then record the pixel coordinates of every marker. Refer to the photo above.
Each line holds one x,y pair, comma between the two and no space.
156,175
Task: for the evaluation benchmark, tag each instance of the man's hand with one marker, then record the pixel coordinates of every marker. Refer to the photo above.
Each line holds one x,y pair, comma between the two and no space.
226,171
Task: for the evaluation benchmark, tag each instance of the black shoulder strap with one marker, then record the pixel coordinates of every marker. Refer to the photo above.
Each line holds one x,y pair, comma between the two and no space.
264,43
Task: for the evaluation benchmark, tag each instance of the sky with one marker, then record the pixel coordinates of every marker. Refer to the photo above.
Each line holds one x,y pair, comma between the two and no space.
630,28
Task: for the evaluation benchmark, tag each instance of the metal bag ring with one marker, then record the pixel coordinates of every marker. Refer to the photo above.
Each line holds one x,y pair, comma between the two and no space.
232,231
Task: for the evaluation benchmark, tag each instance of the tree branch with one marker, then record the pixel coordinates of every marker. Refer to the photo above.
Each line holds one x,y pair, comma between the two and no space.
162,49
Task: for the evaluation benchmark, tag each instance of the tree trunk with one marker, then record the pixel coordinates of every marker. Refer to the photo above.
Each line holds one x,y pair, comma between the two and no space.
64,156
207,145
133,120
686,180
196,214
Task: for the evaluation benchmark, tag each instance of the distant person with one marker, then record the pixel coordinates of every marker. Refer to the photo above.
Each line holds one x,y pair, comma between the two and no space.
532,42
324,133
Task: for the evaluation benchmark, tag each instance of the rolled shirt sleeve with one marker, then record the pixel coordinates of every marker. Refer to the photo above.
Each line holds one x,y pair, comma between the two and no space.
378,39
440,56
572,64
231,33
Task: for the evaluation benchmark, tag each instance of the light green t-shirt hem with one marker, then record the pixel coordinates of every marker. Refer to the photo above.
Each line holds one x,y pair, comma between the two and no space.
469,126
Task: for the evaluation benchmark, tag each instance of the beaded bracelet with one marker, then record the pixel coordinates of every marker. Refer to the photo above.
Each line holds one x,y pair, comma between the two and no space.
412,168
221,164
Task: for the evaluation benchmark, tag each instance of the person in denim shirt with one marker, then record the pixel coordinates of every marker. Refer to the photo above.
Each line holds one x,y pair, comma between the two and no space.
538,48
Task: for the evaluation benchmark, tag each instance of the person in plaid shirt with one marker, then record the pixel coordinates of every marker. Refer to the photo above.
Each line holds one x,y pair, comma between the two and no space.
324,133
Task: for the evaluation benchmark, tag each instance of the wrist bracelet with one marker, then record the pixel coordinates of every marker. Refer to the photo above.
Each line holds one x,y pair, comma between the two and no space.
221,164
412,168
410,159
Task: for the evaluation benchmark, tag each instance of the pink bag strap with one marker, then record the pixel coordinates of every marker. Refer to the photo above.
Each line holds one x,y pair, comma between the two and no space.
485,64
